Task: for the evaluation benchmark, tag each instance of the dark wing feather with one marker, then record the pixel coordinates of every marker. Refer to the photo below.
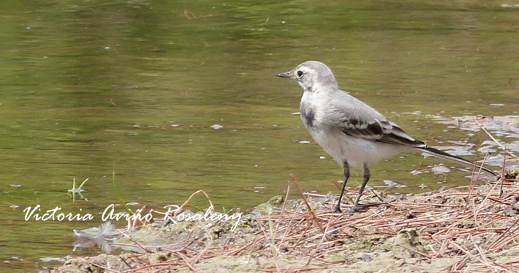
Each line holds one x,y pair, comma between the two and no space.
388,132
377,130
397,136
358,128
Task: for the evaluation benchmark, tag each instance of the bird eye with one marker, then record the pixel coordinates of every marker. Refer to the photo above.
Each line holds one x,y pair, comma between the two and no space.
299,73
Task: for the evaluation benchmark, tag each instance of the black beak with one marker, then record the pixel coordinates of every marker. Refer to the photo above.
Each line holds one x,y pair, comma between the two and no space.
285,75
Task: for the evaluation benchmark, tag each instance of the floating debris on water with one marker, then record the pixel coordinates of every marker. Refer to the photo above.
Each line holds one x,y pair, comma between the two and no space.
439,169
217,126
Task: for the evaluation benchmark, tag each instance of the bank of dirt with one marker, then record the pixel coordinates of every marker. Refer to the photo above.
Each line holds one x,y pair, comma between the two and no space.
464,229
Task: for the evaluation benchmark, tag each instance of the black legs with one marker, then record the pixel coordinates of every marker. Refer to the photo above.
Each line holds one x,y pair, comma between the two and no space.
364,182
346,168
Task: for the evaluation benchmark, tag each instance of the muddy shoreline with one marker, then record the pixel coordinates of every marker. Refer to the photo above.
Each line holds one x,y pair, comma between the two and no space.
464,229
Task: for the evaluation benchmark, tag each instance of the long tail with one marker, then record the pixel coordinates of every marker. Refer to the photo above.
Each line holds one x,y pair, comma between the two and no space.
442,154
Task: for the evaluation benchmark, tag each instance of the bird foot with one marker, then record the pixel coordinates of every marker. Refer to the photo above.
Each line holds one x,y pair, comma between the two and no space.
359,207
355,208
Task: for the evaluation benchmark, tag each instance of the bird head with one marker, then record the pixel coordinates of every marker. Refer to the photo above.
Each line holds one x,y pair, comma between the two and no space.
311,76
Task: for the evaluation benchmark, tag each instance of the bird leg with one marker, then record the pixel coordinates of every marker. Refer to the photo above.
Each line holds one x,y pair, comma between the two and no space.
364,182
346,168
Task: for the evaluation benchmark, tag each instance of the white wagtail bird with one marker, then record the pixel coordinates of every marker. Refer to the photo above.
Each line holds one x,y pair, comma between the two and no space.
351,131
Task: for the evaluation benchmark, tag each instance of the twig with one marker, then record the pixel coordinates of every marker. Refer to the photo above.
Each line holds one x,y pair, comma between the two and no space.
186,261
414,250
135,241
493,138
498,242
191,196
283,209
105,268
318,245
306,202
124,261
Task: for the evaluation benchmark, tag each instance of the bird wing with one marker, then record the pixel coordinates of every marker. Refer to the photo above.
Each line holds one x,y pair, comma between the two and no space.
388,132
357,119
378,130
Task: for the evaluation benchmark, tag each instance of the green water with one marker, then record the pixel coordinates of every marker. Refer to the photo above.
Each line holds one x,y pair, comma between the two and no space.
92,87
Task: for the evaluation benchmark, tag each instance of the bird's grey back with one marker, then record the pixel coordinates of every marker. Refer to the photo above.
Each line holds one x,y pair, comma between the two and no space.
326,107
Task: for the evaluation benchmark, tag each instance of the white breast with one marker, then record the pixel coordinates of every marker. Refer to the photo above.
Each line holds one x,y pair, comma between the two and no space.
340,146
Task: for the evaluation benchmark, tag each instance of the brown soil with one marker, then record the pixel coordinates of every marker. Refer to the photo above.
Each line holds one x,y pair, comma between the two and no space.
465,229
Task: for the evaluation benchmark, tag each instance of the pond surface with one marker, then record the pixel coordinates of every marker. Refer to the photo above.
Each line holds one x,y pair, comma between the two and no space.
177,96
